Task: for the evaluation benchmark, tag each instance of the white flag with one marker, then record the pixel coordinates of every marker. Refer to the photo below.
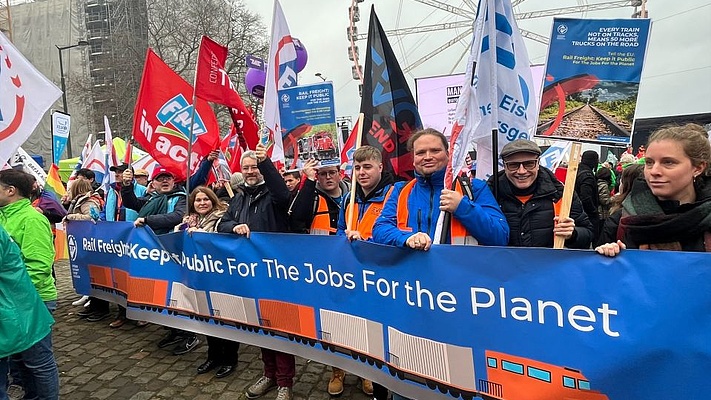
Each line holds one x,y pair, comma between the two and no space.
111,157
281,74
96,161
497,94
26,96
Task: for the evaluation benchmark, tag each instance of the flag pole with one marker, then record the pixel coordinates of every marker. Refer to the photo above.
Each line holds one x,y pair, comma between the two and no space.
354,180
192,126
491,10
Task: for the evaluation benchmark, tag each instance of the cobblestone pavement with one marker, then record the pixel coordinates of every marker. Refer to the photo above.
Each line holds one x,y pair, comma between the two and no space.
98,362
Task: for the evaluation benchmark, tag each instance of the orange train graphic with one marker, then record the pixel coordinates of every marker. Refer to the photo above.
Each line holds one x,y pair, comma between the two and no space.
440,366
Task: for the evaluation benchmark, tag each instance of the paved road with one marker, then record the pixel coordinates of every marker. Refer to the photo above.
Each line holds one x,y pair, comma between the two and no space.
98,362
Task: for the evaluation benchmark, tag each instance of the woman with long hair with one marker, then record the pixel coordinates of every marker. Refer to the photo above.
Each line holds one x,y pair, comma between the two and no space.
204,212
671,208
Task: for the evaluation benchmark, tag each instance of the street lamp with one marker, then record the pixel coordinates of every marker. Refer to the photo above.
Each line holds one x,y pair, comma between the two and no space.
64,89
323,78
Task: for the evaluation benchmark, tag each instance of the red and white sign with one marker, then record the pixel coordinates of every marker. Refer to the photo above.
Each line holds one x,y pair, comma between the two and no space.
26,95
162,119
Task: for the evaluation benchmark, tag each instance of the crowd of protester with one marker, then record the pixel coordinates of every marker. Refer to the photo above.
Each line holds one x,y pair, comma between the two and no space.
661,201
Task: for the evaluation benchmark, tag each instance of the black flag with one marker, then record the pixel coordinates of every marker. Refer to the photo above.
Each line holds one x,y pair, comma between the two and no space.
390,113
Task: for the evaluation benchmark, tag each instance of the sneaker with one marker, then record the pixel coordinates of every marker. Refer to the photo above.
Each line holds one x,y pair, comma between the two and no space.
260,387
284,393
170,339
335,385
80,301
97,316
367,387
15,392
187,345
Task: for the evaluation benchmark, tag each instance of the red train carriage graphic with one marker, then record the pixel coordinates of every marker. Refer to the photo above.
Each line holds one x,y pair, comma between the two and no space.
525,379
121,281
147,293
292,318
100,277
353,335
234,309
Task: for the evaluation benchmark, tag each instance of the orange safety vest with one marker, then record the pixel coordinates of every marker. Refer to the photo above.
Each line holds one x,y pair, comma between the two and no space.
321,224
458,233
365,225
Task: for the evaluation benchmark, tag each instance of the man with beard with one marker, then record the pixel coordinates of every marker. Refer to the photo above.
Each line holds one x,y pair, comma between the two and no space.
261,205
530,196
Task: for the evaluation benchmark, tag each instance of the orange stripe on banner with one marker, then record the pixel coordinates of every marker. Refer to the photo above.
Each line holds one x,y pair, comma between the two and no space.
60,246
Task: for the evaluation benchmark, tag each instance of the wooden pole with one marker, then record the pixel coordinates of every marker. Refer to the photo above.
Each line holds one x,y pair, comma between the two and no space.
354,181
574,160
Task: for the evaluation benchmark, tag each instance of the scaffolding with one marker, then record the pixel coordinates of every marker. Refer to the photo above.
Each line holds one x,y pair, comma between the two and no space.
118,38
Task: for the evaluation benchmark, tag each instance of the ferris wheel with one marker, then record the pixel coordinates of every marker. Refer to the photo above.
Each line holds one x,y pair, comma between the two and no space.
437,41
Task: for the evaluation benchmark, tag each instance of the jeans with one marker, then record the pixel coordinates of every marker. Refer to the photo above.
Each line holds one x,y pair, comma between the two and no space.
40,376
16,366
398,397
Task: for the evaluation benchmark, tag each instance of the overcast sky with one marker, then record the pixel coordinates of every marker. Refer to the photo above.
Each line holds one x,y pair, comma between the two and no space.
676,78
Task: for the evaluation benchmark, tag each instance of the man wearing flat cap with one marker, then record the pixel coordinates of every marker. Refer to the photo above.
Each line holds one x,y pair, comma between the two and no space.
530,197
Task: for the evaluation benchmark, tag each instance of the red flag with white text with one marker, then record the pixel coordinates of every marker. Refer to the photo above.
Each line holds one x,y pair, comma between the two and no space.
162,119
213,84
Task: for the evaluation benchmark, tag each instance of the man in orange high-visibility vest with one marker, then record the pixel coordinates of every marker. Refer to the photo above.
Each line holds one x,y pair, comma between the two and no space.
372,191
409,218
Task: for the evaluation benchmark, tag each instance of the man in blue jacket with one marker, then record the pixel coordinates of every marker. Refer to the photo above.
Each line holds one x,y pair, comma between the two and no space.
409,218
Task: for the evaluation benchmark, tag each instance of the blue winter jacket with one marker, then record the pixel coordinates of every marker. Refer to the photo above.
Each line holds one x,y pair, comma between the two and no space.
111,200
481,215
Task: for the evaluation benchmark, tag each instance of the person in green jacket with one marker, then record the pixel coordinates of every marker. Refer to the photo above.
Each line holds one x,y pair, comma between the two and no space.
26,328
30,230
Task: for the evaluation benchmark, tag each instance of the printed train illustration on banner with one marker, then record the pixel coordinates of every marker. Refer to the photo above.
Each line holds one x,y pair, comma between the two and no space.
442,366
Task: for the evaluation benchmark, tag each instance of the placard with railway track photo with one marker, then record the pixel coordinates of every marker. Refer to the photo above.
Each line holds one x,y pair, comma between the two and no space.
592,79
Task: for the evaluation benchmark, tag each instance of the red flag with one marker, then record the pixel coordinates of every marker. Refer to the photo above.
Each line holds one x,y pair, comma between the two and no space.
128,158
348,150
161,122
232,146
213,84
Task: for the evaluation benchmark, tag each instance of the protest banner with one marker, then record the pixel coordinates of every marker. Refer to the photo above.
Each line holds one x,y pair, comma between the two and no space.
592,79
456,321
308,116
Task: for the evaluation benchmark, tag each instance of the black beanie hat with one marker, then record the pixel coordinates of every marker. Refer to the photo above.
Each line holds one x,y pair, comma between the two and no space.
590,158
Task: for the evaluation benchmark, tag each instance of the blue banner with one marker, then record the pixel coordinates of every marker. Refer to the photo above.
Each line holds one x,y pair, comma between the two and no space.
308,117
61,123
501,323
592,79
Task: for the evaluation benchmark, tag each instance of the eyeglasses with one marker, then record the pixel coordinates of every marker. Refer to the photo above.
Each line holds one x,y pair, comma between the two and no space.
327,173
163,178
529,165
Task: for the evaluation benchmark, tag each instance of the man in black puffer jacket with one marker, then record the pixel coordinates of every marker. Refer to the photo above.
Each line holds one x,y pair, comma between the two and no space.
529,196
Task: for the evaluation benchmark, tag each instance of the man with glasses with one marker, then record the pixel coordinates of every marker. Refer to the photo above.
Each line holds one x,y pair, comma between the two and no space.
530,197
315,209
261,205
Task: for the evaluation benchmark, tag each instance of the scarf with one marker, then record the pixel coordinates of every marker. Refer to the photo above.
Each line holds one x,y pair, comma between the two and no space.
648,223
